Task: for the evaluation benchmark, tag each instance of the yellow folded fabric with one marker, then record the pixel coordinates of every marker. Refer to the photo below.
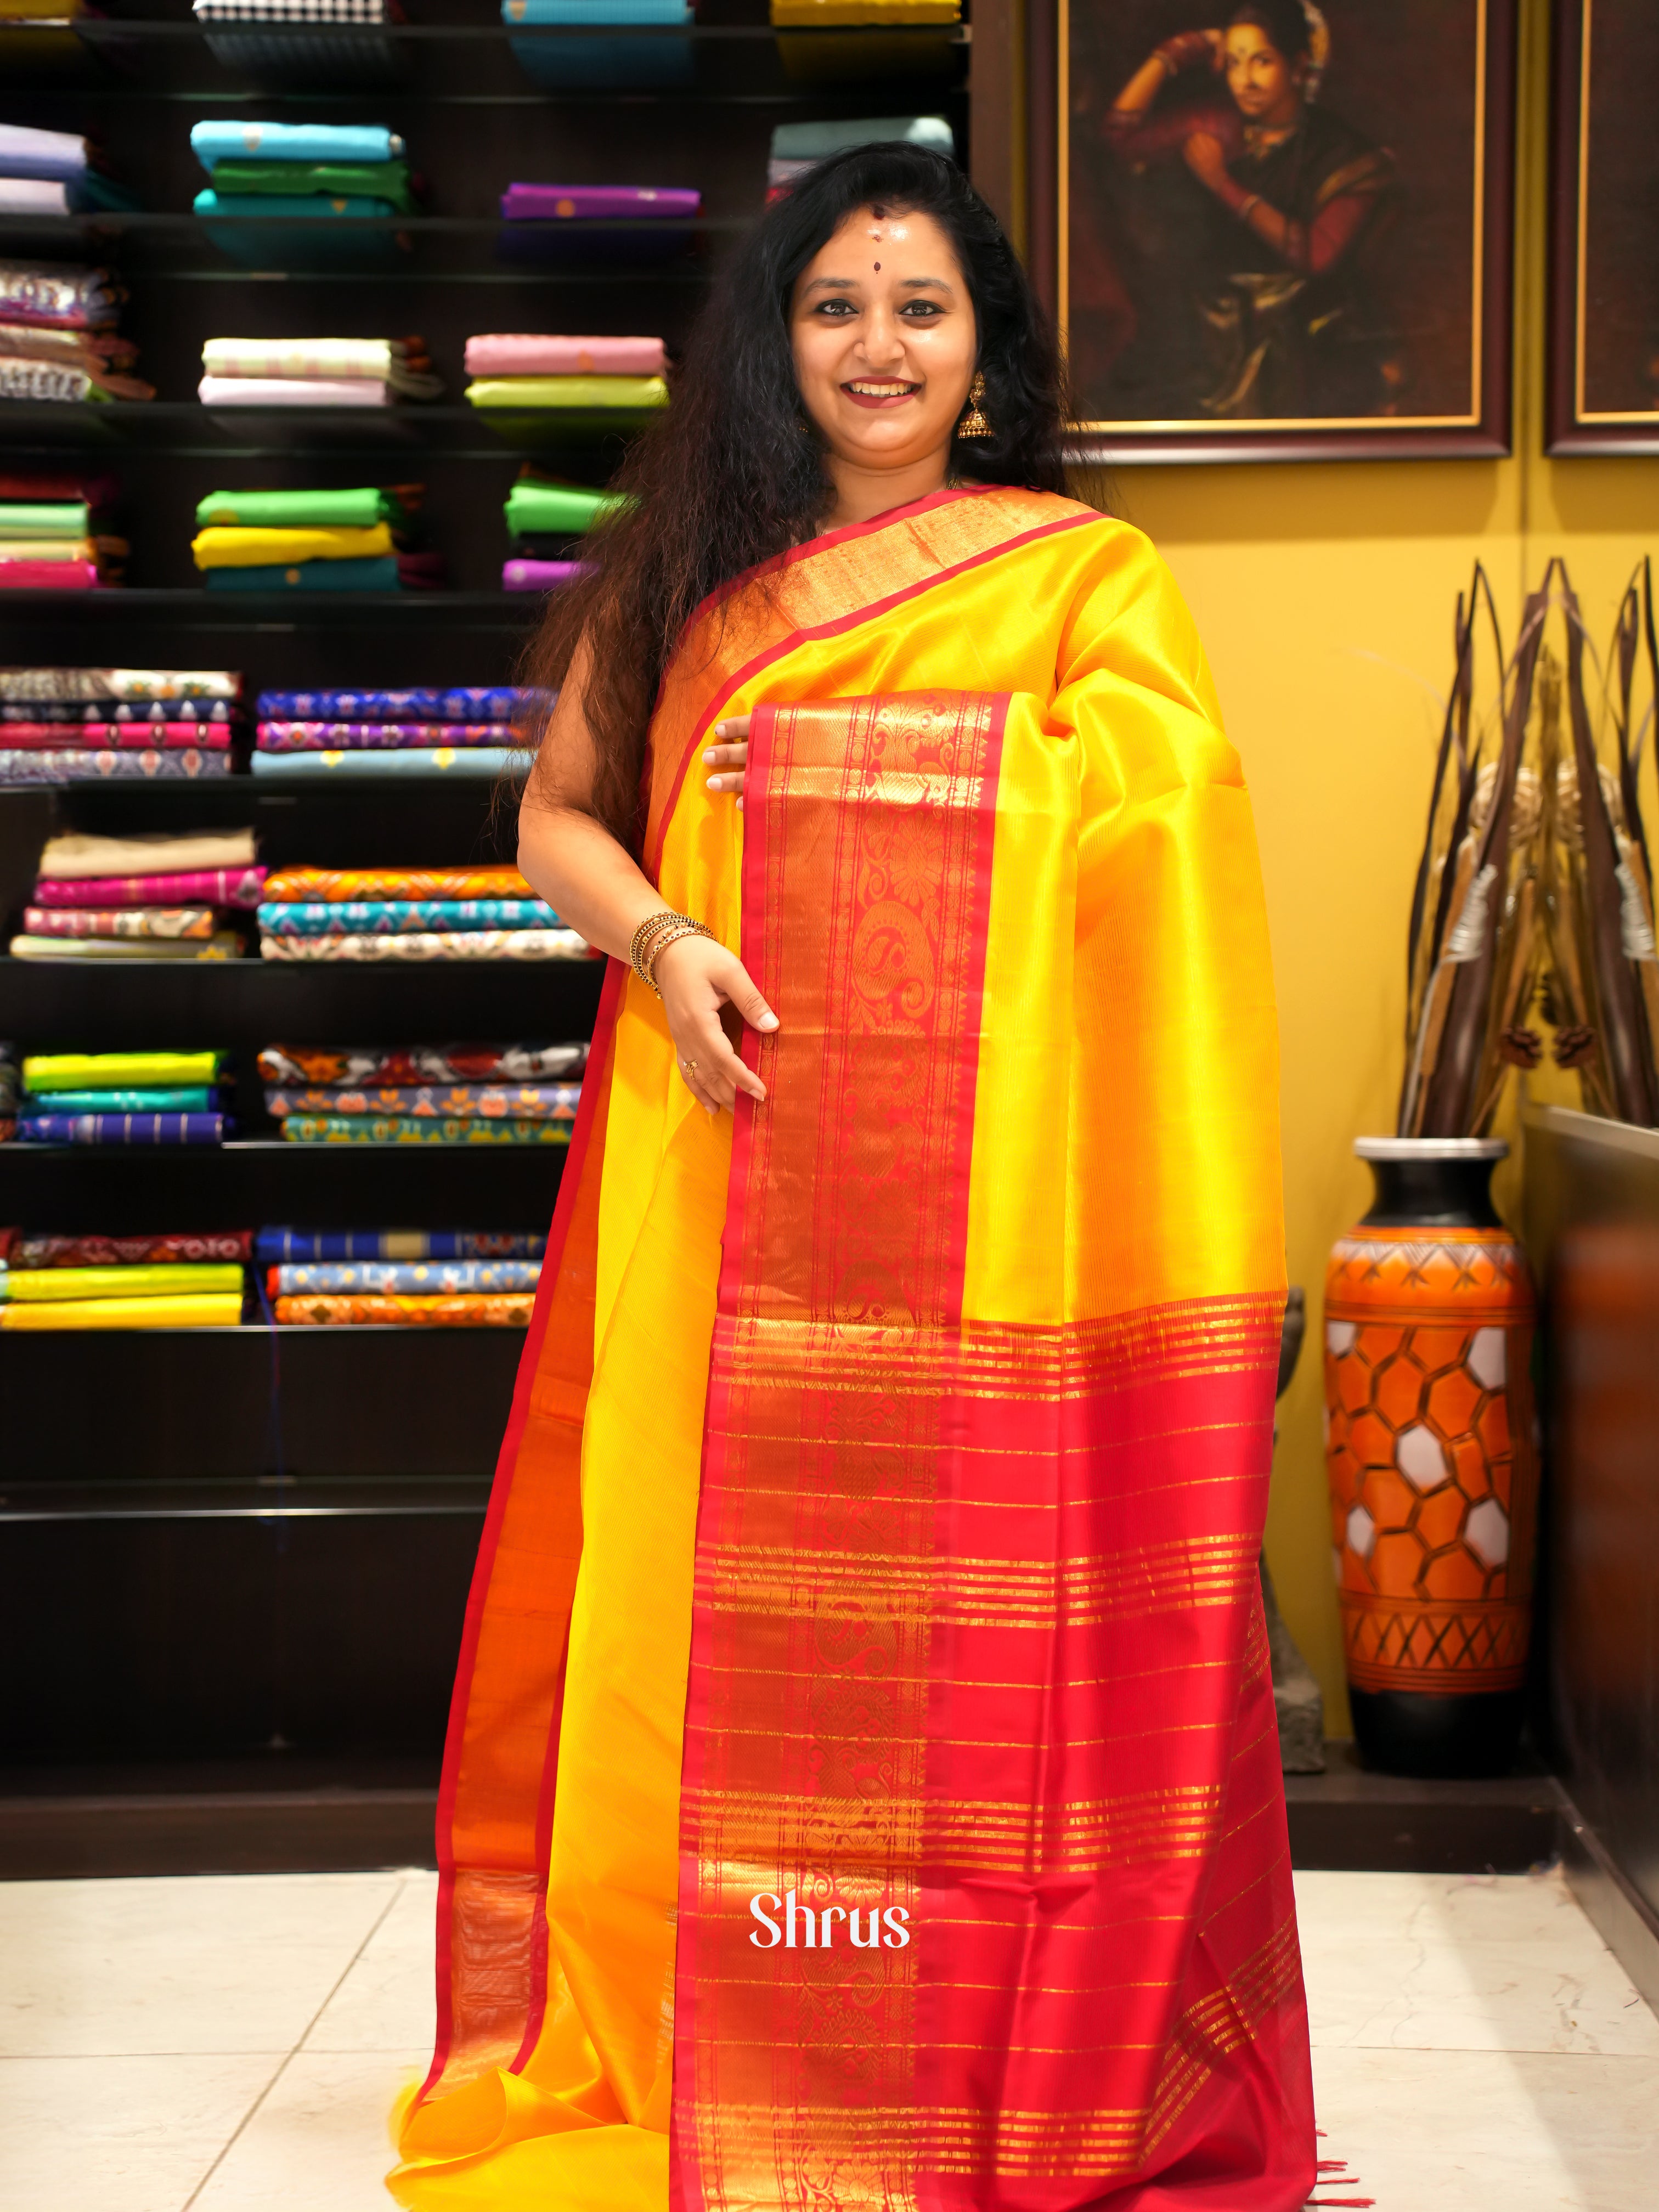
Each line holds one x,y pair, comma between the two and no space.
48,1286
619,391
214,1312
118,1071
228,546
806,14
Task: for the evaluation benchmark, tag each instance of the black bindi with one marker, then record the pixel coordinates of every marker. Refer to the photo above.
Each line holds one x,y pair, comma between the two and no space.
879,264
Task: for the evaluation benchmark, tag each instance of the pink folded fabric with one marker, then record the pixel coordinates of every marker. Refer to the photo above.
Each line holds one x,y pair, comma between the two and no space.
538,575
292,392
592,203
521,353
48,576
181,887
132,737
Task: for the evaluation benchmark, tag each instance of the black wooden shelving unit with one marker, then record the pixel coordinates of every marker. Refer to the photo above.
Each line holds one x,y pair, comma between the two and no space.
244,1553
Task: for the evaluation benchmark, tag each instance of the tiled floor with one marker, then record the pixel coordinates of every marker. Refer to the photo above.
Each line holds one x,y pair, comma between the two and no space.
232,2045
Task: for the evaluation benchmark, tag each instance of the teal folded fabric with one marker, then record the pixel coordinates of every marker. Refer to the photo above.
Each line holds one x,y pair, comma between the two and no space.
256,207
131,1101
397,917
417,760
232,140
379,574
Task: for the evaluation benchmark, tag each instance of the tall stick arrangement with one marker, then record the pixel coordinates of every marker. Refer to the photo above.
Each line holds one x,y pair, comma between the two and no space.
1535,885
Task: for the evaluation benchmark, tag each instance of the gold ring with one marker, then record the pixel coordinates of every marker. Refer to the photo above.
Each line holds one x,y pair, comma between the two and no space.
689,1065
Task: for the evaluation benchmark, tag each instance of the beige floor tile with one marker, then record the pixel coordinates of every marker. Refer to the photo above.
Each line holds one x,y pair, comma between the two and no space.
386,2001
1509,1963
319,2140
1492,2132
192,1963
119,2135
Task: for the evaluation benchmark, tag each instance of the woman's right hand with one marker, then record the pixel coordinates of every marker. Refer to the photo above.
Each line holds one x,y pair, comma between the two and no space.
1194,50
699,979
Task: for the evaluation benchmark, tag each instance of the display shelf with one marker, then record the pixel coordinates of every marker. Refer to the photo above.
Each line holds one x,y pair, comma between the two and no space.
117,1191
195,608
219,433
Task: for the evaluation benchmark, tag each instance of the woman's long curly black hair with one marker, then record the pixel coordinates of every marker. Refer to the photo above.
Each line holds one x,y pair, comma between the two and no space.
732,476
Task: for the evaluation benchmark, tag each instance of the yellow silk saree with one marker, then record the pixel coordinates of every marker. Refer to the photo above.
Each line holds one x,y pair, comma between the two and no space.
863,1788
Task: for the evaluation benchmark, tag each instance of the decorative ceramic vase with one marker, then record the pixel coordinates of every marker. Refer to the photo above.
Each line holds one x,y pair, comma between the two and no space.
1431,1452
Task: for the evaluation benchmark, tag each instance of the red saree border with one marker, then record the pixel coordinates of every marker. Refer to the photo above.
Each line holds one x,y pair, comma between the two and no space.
872,952
584,1156
794,635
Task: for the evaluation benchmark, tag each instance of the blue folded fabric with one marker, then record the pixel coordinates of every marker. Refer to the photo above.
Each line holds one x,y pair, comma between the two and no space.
405,1277
463,760
388,917
273,1246
230,141
292,207
379,573
476,702
122,1129
54,155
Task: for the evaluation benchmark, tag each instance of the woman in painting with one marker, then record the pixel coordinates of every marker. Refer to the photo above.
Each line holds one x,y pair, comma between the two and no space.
1272,321
863,1783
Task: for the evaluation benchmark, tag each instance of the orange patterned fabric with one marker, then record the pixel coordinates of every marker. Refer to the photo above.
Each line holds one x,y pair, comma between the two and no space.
926,1422
434,1310
1433,1468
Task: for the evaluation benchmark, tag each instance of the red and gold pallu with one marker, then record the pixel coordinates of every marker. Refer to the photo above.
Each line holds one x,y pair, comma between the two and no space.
877,1527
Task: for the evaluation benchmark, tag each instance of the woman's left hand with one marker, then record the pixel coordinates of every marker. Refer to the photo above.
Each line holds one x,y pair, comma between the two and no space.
731,755
1206,158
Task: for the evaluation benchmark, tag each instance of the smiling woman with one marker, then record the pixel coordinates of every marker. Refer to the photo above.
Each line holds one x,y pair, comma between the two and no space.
876,1529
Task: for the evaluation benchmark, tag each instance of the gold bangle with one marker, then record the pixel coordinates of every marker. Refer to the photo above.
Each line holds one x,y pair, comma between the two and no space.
684,926
658,930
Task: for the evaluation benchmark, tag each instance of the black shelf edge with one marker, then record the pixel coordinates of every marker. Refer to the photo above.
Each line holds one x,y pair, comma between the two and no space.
119,30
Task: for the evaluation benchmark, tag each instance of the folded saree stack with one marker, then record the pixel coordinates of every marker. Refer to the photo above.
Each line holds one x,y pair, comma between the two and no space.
409,914
315,372
441,1278
547,519
466,730
839,42
121,1098
54,173
578,387
303,45
115,725
585,64
591,223
179,1281
504,1094
55,533
143,898
355,540
57,338
303,172
796,147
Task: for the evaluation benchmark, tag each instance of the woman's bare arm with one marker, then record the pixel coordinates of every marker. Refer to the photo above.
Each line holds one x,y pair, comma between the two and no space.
595,886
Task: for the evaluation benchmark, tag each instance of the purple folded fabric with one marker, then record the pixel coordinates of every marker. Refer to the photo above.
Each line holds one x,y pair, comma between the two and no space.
344,736
122,1129
538,575
589,203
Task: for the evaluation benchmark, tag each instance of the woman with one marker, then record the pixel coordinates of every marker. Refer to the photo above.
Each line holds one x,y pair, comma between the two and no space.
863,1786
1275,325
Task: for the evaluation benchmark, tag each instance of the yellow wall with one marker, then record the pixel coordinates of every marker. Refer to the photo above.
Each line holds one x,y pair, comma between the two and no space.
1325,595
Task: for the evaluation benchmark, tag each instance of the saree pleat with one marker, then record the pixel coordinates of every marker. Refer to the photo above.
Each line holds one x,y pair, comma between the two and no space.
927,1430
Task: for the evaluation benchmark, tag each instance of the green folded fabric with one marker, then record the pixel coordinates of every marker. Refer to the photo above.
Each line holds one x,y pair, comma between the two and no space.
38,519
555,509
384,180
117,1071
163,1279
359,509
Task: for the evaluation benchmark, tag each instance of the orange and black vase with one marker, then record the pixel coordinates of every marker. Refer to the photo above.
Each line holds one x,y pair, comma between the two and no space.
1432,1450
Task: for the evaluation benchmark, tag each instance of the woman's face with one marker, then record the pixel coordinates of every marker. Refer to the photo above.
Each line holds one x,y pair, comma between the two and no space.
1265,87
884,338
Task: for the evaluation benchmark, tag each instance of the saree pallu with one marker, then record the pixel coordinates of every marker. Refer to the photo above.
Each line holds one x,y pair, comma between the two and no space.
863,1782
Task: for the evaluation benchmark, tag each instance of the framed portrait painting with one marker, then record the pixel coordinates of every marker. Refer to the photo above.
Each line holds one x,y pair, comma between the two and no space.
1604,229
1279,230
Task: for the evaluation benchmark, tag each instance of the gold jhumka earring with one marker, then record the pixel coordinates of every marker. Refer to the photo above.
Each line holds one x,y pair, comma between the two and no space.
973,424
